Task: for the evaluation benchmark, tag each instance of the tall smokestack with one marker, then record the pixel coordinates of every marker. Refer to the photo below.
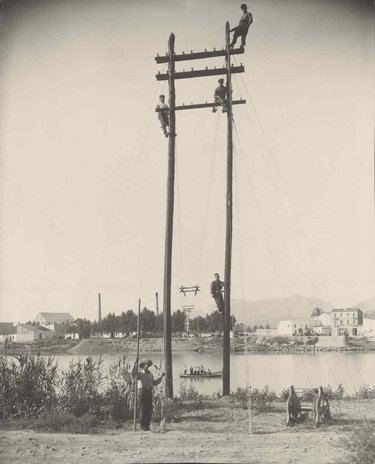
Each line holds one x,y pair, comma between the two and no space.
157,303
100,308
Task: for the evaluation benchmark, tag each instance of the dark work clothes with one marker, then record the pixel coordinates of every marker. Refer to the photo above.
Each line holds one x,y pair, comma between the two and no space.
242,29
145,409
216,287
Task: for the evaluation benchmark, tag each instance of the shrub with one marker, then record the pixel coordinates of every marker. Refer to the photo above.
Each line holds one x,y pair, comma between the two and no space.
81,389
189,393
365,392
119,395
261,399
28,386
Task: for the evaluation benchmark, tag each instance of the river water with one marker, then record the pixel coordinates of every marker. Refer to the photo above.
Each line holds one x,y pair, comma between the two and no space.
276,370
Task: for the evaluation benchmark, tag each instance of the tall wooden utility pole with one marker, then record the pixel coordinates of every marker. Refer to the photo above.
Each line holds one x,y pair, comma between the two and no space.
167,333
171,58
229,221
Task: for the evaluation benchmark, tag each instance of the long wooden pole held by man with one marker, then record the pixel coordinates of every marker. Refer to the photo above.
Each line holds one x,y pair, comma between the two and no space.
229,221
136,372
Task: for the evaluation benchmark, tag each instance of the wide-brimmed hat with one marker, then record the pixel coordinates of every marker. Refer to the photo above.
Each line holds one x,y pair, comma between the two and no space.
145,362
221,80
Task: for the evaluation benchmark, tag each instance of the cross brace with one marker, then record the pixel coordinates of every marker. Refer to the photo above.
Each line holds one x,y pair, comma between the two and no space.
197,106
198,55
185,290
200,73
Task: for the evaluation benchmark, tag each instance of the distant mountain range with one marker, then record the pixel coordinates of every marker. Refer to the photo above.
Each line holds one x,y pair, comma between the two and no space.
367,306
292,307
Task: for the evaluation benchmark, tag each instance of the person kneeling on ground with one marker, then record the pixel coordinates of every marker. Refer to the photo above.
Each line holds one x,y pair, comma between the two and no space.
148,381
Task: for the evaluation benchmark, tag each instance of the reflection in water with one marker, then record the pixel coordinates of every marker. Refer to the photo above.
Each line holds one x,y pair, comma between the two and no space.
276,370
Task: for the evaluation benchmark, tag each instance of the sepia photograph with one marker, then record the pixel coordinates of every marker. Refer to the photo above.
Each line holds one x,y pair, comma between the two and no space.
187,231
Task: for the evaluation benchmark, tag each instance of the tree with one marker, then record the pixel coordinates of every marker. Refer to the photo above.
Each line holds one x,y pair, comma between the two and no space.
128,322
83,328
159,322
178,320
109,324
317,312
147,320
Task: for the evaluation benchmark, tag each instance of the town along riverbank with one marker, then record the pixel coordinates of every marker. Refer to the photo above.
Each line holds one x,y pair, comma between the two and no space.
212,344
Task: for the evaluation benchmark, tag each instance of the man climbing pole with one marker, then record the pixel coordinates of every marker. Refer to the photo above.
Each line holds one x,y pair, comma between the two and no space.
243,27
220,96
216,288
163,115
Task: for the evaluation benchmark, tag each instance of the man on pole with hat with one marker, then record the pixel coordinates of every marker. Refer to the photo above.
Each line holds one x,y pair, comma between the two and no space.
220,96
148,381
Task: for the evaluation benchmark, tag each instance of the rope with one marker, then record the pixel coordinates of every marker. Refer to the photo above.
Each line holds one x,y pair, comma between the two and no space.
286,192
120,196
268,243
204,230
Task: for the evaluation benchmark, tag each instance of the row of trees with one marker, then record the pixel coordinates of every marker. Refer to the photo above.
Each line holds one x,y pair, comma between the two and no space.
150,323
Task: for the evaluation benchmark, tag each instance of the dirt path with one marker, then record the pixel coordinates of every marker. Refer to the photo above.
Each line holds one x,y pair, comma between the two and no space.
173,446
208,433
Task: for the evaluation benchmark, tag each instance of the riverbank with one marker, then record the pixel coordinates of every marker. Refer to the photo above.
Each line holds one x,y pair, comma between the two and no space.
262,345
212,431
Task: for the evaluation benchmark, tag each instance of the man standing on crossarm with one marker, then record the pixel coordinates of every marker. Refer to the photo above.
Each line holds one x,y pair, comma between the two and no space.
216,288
243,27
148,381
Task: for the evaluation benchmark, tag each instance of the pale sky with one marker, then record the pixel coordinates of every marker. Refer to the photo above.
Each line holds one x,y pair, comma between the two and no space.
84,161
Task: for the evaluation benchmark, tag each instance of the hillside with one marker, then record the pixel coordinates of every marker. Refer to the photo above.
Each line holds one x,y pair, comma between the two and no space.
272,310
367,306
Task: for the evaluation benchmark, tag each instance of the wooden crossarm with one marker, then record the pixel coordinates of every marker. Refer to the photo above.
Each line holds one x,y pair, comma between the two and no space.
200,73
198,55
193,106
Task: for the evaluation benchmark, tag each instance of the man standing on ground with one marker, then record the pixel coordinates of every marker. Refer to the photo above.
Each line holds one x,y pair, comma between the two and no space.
220,96
216,288
163,115
147,380
243,27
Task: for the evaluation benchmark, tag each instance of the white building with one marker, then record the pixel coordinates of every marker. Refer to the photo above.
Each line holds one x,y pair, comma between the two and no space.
47,319
368,329
323,324
27,333
294,327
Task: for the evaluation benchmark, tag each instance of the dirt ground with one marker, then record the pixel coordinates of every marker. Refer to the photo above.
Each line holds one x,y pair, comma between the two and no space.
215,432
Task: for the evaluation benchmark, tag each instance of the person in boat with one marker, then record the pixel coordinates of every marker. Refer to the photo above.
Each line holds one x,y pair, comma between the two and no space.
191,370
208,371
147,381
216,289
202,370
243,27
185,370
163,115
220,96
